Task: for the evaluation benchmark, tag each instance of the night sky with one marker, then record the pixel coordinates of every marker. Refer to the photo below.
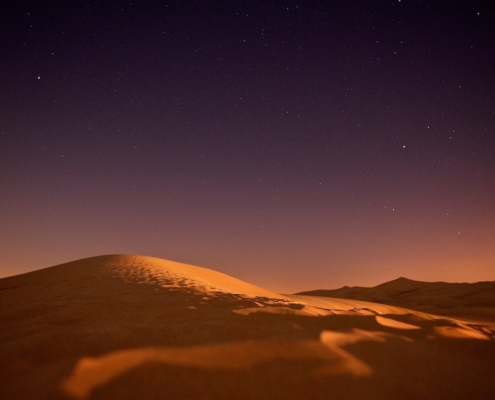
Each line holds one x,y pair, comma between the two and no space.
293,144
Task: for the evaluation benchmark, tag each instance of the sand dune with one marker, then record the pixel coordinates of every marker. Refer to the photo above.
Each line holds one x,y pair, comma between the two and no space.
127,326
472,301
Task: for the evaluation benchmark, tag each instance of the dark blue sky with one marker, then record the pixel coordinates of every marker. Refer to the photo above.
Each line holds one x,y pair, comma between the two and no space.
294,144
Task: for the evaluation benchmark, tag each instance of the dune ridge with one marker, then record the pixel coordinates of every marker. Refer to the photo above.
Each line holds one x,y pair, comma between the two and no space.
475,301
128,326
171,274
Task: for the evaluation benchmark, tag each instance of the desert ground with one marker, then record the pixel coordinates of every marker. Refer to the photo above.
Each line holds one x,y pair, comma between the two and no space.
468,301
136,327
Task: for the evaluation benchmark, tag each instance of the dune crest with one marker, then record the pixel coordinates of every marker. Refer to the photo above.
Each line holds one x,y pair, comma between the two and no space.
472,301
108,327
171,274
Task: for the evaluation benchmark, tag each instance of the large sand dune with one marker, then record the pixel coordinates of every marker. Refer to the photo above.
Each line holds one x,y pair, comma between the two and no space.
127,327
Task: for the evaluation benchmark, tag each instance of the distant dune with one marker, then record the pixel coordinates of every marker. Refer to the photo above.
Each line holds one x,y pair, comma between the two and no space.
128,327
472,301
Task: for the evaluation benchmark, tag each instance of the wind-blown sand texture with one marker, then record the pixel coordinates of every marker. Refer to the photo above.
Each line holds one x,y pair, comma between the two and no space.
128,327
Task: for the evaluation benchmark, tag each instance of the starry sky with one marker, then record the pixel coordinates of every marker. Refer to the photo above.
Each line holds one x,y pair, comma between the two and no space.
294,144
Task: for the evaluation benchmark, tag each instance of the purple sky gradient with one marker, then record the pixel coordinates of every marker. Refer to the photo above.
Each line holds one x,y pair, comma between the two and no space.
295,144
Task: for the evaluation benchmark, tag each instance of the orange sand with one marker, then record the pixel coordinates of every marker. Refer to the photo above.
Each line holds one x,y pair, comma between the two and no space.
127,327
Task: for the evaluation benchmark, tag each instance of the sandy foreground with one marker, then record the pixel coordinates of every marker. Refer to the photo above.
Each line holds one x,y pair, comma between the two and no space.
135,327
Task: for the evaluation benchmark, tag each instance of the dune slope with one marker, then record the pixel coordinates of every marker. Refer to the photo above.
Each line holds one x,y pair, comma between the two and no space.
471,301
126,326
